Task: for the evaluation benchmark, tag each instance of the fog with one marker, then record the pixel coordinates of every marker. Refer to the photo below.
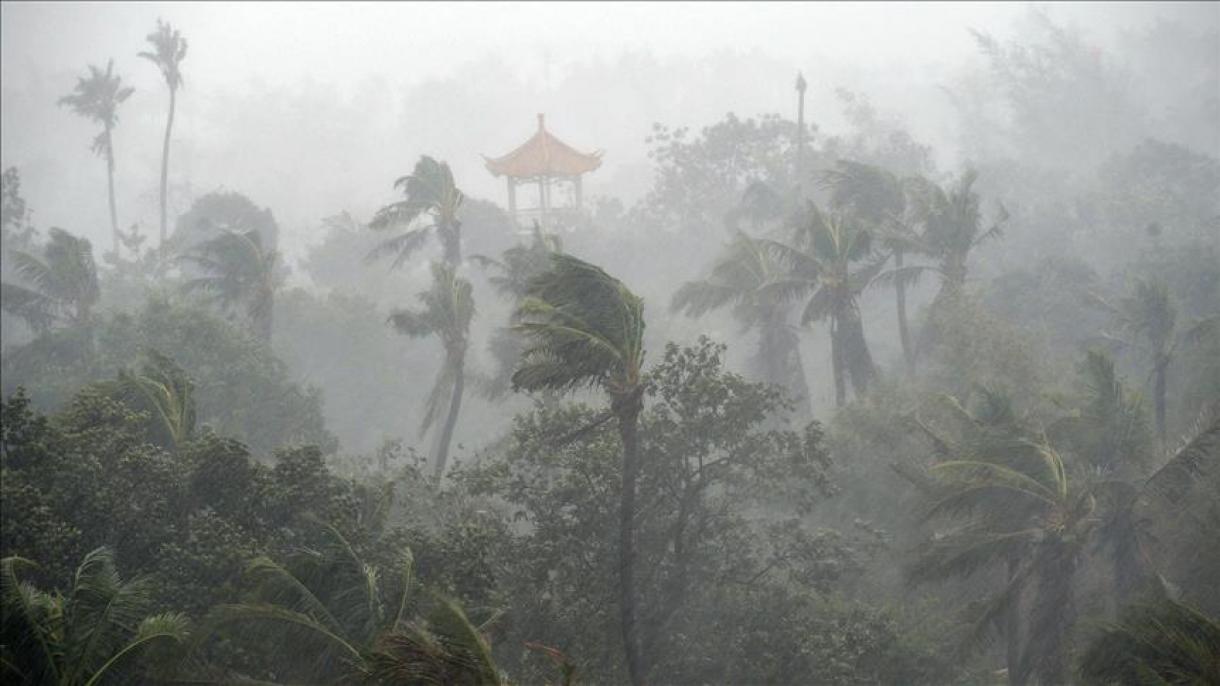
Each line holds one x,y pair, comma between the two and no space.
927,391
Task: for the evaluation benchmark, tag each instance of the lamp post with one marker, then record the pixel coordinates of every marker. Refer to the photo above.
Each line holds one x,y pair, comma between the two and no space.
800,135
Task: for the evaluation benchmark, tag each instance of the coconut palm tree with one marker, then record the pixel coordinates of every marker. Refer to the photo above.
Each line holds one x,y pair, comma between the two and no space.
97,97
162,388
512,273
447,308
1021,510
1148,320
94,633
953,226
740,278
354,619
820,264
169,49
1163,642
586,329
891,207
238,270
62,284
430,207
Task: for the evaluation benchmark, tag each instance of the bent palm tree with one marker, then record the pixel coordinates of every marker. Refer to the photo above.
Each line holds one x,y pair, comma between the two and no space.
586,329
63,284
238,270
334,601
516,266
163,389
1165,642
446,313
740,278
1147,319
97,97
952,227
890,207
430,207
169,49
1023,511
92,634
819,265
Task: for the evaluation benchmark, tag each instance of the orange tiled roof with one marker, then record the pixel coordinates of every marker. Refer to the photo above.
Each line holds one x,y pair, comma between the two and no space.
544,154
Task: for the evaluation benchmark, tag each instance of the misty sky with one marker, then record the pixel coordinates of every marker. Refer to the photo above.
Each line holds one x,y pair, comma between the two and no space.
314,108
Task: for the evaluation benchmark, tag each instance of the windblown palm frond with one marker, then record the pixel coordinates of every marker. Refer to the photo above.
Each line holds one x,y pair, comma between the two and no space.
96,630
446,649
1165,642
63,283
97,97
238,270
162,388
169,49
585,328
430,205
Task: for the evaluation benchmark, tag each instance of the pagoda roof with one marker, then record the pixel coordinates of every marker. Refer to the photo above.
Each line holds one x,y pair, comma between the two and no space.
544,155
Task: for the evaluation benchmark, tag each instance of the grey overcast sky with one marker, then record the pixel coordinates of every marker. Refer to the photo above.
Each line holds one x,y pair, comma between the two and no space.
311,108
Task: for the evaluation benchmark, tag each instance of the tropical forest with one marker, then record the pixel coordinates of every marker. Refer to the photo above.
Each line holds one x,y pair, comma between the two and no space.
559,344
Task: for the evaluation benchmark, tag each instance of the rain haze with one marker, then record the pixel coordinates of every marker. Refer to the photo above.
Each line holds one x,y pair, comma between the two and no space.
597,343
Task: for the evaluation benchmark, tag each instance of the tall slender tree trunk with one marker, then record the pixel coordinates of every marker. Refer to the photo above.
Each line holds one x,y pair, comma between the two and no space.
455,408
169,126
1162,369
856,357
627,408
114,216
451,240
1052,616
837,362
904,333
779,362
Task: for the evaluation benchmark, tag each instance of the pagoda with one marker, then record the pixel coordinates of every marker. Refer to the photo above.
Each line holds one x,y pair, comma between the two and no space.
555,167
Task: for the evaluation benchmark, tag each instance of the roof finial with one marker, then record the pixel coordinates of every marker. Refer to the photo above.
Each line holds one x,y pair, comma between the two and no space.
541,121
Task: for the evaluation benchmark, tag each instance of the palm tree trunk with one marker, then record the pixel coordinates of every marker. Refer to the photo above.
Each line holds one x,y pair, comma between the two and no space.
856,357
1162,368
836,361
455,408
451,240
114,216
779,362
904,333
627,408
1051,617
169,126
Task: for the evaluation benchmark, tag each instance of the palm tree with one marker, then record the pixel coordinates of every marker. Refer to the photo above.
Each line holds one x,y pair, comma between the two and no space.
883,201
97,97
586,329
335,602
446,313
740,278
952,227
430,206
169,49
238,269
516,266
1165,642
86,637
162,388
1022,510
819,265
1147,319
63,284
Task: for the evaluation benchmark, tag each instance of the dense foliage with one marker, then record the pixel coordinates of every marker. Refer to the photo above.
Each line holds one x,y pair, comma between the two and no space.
950,426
